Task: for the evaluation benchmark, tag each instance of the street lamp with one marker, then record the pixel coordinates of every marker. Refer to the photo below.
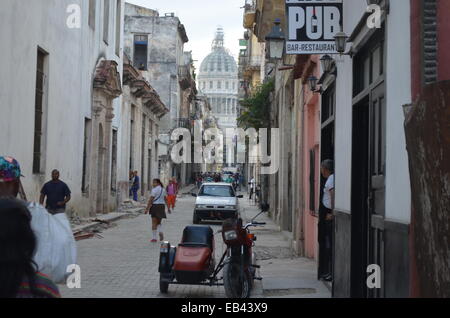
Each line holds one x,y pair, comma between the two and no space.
275,40
312,81
327,63
341,42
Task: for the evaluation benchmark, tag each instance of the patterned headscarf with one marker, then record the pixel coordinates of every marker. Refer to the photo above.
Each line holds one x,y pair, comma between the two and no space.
9,169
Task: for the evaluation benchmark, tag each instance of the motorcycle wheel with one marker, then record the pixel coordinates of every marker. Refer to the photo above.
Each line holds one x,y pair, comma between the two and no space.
163,286
234,288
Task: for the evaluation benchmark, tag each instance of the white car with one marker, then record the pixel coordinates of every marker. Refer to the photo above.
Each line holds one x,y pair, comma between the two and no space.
216,201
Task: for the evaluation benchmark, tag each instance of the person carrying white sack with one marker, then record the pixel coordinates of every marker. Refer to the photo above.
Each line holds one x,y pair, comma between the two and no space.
56,247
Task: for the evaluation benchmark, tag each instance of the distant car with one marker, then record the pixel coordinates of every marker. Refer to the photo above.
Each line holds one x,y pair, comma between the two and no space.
216,201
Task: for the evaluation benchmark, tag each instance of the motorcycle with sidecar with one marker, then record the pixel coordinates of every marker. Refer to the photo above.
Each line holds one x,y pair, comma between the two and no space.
192,262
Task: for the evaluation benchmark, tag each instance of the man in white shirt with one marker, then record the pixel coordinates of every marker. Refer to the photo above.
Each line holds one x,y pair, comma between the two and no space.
252,187
326,221
328,190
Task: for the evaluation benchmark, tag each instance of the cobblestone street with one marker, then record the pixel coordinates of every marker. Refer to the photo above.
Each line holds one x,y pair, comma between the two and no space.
124,264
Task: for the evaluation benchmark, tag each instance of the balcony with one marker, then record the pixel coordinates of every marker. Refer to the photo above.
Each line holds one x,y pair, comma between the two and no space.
249,14
182,123
255,61
185,77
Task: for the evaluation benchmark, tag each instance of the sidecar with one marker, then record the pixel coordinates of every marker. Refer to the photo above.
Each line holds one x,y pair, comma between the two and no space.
192,262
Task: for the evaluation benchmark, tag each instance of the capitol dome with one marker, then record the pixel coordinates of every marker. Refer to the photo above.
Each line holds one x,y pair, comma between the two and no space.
218,80
219,61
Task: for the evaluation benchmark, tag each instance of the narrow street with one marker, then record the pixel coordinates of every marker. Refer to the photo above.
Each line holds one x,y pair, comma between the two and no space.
124,264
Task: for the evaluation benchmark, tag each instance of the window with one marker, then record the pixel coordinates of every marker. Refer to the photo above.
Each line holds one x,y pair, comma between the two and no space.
219,85
86,146
149,171
118,25
368,65
92,7
140,52
39,110
312,180
234,85
219,64
106,20
227,85
211,85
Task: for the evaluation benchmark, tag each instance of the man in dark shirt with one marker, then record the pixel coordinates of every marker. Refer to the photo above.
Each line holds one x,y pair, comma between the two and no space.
57,193
136,186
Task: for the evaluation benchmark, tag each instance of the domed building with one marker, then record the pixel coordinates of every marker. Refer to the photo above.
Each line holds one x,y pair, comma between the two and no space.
218,81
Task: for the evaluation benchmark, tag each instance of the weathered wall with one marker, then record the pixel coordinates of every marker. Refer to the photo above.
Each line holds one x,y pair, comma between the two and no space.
428,143
73,55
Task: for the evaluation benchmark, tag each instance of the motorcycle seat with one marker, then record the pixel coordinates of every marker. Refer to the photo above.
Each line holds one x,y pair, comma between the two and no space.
198,236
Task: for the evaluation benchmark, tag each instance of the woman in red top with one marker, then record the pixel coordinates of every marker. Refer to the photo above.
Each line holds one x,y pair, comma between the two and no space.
19,277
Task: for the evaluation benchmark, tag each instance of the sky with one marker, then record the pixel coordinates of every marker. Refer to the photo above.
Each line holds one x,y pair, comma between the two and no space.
201,19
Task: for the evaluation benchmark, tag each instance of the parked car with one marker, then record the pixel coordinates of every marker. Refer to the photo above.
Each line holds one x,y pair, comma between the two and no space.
216,201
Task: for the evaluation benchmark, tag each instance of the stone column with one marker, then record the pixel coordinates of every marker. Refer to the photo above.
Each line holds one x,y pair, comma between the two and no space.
107,158
97,108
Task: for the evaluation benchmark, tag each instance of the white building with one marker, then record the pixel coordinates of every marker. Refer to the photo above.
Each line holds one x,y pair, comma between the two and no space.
155,45
218,80
372,186
60,89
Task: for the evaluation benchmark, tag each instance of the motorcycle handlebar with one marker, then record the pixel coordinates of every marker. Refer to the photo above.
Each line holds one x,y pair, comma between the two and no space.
254,224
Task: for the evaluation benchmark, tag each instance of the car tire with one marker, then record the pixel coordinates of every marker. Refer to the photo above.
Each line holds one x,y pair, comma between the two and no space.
196,219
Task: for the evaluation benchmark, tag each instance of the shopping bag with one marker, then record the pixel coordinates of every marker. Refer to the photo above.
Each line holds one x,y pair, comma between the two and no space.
56,246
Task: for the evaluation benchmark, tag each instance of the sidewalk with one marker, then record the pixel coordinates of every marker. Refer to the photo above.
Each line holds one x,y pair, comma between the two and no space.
284,275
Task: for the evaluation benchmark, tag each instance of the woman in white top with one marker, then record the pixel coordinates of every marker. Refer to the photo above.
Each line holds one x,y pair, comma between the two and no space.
157,208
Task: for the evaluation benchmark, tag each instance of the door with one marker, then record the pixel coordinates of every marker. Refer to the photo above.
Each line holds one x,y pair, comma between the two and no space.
377,172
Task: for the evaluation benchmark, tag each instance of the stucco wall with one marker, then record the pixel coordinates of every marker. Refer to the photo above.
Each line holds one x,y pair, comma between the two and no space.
398,93
73,55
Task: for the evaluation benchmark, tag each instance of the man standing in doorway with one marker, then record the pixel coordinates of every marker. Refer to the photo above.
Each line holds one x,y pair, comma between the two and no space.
135,186
57,193
326,221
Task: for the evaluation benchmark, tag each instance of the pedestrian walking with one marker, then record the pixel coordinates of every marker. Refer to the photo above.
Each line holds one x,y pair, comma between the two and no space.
136,185
157,209
252,187
172,192
19,277
57,194
326,222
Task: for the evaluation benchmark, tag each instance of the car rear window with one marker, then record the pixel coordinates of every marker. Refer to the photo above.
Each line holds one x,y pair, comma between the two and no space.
217,191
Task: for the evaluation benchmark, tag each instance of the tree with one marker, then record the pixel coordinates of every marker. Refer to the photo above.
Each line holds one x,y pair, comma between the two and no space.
256,108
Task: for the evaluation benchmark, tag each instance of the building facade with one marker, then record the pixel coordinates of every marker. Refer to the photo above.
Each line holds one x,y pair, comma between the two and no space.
141,112
155,45
355,117
218,80
61,96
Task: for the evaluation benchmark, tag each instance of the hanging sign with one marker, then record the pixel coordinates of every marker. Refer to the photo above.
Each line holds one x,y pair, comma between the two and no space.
312,25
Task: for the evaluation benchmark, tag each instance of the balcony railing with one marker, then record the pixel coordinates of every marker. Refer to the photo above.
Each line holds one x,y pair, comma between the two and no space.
255,61
182,123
